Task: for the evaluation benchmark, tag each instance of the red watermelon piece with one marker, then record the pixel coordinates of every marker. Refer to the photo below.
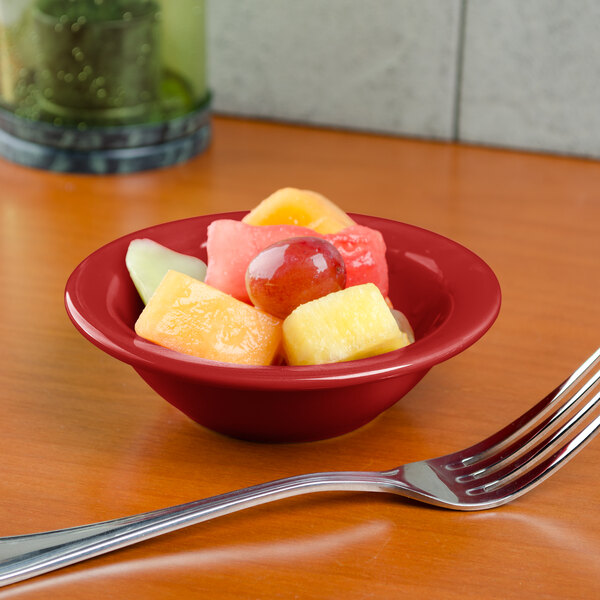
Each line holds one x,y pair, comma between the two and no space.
231,245
363,251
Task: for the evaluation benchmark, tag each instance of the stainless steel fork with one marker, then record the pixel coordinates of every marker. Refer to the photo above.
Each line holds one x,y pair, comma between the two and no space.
488,474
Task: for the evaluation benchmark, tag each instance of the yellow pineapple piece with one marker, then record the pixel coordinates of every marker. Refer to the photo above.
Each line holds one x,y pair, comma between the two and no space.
290,206
189,316
353,323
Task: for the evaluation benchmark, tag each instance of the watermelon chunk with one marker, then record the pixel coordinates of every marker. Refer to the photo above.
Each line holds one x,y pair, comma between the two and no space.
231,245
363,250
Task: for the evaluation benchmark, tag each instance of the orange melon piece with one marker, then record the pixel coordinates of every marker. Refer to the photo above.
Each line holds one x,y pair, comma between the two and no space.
189,316
291,206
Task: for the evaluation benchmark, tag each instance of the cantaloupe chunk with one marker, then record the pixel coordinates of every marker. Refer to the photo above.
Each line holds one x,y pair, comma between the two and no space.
347,325
291,206
189,316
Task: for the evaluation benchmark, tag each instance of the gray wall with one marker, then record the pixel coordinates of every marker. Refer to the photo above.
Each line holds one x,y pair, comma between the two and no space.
519,74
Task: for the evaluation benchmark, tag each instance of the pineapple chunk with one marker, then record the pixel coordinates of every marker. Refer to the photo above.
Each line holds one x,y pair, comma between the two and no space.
290,206
347,325
189,316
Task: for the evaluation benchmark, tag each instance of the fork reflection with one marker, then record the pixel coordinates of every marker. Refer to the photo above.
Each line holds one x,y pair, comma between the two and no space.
220,556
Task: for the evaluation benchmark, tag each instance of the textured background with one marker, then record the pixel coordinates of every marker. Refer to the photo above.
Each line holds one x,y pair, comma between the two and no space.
512,73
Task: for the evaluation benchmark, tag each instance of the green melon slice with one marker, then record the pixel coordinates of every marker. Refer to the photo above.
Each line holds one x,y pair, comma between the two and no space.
148,262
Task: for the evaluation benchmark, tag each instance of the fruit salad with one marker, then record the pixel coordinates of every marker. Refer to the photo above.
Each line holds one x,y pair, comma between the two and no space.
295,282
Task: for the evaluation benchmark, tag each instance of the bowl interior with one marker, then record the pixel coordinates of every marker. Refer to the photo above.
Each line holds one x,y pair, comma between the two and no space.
417,285
450,296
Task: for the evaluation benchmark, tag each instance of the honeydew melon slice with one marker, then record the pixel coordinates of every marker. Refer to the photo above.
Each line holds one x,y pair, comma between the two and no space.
148,262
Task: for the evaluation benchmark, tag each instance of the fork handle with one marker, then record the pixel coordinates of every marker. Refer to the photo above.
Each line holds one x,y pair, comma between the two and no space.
26,556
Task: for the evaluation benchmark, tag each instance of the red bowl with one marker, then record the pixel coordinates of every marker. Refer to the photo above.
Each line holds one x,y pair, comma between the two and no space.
450,296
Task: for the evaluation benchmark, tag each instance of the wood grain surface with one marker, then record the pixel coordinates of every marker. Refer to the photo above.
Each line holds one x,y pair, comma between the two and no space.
83,439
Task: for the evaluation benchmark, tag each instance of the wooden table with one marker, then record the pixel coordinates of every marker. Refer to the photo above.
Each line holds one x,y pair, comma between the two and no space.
84,439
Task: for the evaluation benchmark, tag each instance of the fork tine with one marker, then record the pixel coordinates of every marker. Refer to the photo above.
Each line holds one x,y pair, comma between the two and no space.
551,428
539,445
533,423
541,466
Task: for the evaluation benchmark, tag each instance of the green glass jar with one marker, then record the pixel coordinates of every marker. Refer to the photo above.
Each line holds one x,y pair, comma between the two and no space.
102,85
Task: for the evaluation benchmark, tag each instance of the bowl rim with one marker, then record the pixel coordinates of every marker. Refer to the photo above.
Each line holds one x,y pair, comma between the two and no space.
465,324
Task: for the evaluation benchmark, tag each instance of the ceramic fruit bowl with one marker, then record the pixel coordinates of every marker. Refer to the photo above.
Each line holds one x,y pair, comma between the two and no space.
450,296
